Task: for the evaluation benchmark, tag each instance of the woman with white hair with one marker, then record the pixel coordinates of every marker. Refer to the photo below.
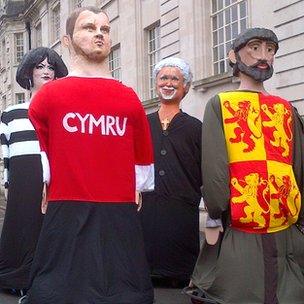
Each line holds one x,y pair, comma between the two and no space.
170,215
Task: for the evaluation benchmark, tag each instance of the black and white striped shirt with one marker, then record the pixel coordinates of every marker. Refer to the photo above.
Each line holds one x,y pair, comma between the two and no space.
18,137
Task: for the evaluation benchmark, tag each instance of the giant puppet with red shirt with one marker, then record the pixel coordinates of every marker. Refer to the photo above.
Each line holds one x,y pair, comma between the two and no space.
95,134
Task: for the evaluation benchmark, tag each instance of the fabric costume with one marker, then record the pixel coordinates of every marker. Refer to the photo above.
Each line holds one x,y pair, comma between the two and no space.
259,196
23,176
170,214
97,138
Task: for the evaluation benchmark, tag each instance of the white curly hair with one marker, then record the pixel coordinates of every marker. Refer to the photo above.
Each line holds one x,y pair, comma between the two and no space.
175,62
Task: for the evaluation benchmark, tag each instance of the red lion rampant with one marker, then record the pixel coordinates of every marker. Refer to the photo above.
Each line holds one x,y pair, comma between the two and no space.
246,118
283,192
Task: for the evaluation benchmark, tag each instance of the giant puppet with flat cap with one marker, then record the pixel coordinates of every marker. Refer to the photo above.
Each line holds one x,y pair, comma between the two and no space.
252,167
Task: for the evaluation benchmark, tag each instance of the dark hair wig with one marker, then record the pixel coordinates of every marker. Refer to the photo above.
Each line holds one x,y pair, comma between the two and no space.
31,59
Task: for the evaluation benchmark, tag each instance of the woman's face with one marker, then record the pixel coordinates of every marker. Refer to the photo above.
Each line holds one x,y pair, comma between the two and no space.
43,72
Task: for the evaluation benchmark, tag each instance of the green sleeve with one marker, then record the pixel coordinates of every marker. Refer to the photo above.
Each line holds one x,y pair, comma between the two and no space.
215,169
298,158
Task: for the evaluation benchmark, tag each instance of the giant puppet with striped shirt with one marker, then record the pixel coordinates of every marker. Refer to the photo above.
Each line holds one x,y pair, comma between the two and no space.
25,170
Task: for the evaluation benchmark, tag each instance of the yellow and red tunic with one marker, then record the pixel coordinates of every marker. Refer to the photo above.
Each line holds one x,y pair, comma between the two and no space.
264,196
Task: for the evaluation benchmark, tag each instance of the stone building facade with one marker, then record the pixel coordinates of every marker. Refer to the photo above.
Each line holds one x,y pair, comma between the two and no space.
145,31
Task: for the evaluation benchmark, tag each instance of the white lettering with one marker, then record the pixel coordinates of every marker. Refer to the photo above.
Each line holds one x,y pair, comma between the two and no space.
94,122
65,122
83,120
87,123
120,131
109,125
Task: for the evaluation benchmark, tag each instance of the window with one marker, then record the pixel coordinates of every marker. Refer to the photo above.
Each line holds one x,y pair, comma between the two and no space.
3,54
19,47
56,23
229,18
20,98
153,56
3,102
114,63
38,35
77,3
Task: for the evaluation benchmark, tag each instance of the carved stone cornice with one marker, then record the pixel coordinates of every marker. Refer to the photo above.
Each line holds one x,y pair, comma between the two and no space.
31,10
202,85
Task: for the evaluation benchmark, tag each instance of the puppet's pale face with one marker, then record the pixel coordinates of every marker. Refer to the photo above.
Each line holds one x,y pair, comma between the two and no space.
170,84
42,73
91,36
256,51
255,59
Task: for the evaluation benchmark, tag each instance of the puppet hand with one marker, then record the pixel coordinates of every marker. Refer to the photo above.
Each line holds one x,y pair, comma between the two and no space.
138,200
44,202
5,193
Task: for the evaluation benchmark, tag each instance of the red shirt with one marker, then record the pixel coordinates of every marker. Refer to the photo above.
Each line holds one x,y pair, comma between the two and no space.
94,131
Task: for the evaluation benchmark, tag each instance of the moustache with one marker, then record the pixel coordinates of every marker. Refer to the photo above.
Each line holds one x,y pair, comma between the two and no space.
169,87
260,62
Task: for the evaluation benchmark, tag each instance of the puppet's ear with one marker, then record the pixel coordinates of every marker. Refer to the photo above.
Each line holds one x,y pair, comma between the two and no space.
187,87
231,56
66,40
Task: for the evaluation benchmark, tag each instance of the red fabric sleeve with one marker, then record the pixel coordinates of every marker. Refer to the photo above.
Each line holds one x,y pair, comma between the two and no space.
142,137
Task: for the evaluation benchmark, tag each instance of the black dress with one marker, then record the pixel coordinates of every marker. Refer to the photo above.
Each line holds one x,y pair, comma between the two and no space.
23,177
90,252
170,214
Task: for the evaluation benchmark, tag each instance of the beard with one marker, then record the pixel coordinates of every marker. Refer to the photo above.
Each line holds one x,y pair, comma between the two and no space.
165,97
253,71
97,56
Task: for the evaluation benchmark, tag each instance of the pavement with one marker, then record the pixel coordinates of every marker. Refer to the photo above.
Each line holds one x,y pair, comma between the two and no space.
8,299
163,294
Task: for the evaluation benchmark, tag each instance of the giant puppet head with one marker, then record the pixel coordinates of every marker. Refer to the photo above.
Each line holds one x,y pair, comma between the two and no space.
88,34
32,60
173,78
252,53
